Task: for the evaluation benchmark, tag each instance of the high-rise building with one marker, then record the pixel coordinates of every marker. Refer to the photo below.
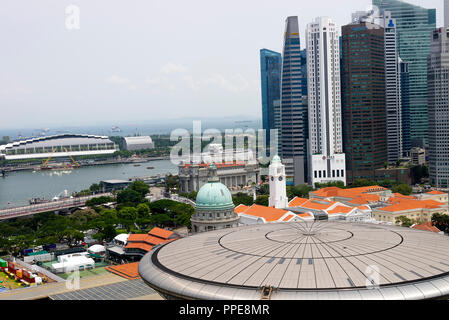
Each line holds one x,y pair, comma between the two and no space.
363,100
446,13
414,24
392,78
326,157
270,71
293,114
405,106
438,96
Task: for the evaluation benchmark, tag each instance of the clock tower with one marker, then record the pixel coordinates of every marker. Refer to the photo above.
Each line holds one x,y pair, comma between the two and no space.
278,191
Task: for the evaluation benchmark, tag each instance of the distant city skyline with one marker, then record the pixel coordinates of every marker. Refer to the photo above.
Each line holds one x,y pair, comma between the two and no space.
140,60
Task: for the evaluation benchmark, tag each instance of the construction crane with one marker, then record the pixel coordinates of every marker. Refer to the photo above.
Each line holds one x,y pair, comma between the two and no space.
44,164
75,164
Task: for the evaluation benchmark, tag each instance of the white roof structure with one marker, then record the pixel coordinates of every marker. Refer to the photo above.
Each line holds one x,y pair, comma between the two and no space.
61,145
138,143
96,248
73,262
317,260
123,237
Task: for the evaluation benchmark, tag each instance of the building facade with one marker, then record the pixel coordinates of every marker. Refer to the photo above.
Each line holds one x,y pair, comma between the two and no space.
326,157
270,71
364,100
232,174
414,24
438,101
293,114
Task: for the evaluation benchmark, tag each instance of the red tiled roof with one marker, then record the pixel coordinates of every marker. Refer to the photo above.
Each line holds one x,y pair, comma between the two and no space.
340,209
268,213
161,233
139,245
346,193
426,227
436,192
297,202
400,204
128,271
317,204
240,208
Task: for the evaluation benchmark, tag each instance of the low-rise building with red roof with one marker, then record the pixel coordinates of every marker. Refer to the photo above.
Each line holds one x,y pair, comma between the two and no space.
353,196
261,214
427,226
414,209
331,210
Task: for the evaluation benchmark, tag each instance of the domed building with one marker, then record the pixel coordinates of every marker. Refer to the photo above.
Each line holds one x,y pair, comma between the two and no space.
214,208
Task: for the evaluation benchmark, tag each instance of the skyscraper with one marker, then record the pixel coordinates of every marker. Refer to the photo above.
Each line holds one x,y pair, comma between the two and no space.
270,71
392,78
438,96
293,114
405,106
327,160
363,99
414,24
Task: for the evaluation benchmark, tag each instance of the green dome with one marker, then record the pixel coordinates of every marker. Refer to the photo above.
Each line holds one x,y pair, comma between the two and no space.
214,195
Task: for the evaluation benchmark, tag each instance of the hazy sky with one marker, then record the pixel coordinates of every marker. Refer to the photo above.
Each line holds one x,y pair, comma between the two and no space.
136,60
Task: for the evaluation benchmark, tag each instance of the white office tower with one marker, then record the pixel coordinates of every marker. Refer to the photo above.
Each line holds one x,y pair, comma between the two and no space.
392,78
327,160
278,191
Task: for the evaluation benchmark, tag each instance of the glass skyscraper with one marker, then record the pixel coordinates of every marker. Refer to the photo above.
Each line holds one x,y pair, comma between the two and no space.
293,110
414,27
270,71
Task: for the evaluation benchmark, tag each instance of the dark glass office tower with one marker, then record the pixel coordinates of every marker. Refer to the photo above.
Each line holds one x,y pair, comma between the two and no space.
414,26
293,113
270,71
405,99
363,100
438,95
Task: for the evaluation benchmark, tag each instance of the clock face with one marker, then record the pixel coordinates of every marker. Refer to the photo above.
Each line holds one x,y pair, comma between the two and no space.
280,178
272,178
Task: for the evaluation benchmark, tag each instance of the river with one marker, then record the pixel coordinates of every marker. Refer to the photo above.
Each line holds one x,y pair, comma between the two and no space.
18,187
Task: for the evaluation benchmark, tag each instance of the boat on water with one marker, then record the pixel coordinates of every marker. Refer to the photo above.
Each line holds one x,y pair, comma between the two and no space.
150,167
137,165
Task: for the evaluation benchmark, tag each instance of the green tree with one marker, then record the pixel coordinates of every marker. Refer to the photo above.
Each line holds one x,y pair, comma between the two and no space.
127,216
402,188
404,221
441,221
140,187
262,200
129,197
242,198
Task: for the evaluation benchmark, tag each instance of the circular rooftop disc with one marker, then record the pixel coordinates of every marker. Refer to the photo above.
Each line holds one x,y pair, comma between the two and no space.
332,258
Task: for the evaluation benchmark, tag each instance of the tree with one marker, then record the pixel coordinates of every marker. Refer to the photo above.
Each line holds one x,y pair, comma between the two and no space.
402,188
140,187
264,189
301,190
262,200
127,216
129,197
441,221
339,184
404,221
143,210
99,201
242,198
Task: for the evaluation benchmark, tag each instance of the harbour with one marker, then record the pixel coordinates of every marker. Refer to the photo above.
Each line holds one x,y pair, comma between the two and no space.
18,187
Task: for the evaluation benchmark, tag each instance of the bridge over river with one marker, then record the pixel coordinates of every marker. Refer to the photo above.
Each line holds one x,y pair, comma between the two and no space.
58,205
